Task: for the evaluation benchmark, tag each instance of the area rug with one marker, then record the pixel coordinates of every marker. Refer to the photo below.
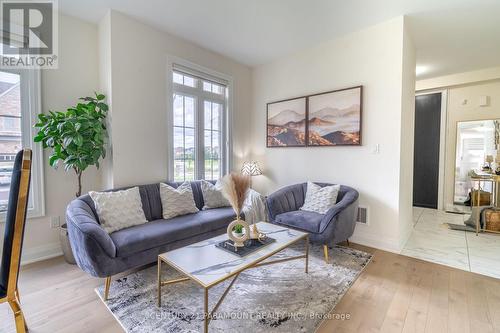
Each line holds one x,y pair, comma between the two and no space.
273,298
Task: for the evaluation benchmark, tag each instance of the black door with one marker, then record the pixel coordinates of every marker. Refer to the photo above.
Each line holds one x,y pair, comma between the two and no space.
426,153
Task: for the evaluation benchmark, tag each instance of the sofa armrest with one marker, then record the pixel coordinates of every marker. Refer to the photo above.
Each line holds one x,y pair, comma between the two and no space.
344,207
284,200
88,239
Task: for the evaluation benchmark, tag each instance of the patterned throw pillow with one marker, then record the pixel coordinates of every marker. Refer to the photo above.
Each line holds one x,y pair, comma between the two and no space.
177,201
212,195
320,199
119,210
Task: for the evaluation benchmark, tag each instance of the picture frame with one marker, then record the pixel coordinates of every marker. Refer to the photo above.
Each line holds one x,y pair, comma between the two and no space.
286,123
334,118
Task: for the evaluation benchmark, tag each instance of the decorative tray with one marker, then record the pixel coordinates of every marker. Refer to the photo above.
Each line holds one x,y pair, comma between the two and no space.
251,245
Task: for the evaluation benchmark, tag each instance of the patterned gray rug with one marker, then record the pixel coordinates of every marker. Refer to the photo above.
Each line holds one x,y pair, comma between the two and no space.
273,298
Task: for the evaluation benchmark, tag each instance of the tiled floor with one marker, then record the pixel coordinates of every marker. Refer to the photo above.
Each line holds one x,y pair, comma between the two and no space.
431,240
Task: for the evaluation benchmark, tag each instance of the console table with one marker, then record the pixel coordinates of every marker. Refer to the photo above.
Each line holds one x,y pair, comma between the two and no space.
482,178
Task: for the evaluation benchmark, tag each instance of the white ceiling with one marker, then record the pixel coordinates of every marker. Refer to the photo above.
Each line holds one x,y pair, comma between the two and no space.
450,35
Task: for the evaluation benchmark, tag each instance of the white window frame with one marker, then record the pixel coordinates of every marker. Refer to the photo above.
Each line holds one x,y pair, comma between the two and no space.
30,108
179,64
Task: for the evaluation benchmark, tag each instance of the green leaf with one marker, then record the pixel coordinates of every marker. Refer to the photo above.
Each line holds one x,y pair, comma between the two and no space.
103,106
67,141
53,160
39,137
78,139
99,97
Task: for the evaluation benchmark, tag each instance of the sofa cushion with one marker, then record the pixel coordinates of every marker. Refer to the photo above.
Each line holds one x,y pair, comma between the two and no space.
212,195
160,232
320,199
120,209
299,219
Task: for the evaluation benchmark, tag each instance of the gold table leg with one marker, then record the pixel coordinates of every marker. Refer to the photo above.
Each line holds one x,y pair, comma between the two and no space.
159,283
307,254
325,252
107,285
478,204
205,314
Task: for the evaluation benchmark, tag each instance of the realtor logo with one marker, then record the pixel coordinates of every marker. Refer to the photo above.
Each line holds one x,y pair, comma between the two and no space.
29,34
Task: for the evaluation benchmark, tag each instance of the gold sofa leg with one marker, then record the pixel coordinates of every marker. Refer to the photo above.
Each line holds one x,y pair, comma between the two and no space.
325,252
21,326
106,287
347,241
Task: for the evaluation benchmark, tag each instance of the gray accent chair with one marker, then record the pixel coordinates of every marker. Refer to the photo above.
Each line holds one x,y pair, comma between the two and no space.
102,255
336,226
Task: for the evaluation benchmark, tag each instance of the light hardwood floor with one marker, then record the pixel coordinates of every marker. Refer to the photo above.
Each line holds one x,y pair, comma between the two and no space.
393,294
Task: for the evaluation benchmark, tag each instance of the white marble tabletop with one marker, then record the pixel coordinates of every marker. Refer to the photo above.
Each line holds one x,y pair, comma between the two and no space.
208,265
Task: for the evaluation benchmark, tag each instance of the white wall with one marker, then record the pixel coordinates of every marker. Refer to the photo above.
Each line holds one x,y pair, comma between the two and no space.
138,72
104,42
373,58
407,139
465,78
463,86
76,76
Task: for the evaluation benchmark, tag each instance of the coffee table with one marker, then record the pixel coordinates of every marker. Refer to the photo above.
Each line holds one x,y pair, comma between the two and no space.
208,266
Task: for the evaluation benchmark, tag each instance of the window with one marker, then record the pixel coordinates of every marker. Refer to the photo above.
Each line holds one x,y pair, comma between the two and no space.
19,106
199,126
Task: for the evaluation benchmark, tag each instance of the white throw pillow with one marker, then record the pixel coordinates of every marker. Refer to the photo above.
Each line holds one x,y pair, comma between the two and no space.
177,201
212,195
119,210
320,199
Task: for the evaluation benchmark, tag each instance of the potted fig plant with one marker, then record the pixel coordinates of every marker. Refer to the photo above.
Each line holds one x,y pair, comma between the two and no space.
75,138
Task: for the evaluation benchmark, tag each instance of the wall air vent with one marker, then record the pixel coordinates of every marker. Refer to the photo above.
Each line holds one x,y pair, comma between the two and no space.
362,215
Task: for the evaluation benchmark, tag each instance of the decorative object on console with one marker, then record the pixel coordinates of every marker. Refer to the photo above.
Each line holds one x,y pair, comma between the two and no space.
76,137
497,162
492,219
489,160
177,201
251,168
334,118
235,188
286,123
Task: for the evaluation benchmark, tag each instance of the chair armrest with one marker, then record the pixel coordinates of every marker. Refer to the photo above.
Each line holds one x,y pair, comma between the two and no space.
284,200
348,201
88,239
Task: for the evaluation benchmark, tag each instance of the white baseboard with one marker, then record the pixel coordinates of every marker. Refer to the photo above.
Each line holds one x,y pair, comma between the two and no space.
39,253
382,243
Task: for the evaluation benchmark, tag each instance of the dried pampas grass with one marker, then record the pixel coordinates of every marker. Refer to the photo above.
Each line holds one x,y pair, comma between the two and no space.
234,189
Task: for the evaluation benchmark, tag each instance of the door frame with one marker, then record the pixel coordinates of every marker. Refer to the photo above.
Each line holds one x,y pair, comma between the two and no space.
443,131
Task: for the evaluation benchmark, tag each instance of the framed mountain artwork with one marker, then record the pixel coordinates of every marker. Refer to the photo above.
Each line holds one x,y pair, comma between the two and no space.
334,118
286,123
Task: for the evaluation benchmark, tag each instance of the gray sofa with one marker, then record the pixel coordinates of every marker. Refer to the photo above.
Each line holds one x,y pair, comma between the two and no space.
337,225
102,255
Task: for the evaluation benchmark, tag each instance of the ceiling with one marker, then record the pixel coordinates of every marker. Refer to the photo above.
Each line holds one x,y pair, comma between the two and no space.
450,35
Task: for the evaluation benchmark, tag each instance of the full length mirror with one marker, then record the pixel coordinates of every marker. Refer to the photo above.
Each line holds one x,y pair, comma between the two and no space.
477,149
